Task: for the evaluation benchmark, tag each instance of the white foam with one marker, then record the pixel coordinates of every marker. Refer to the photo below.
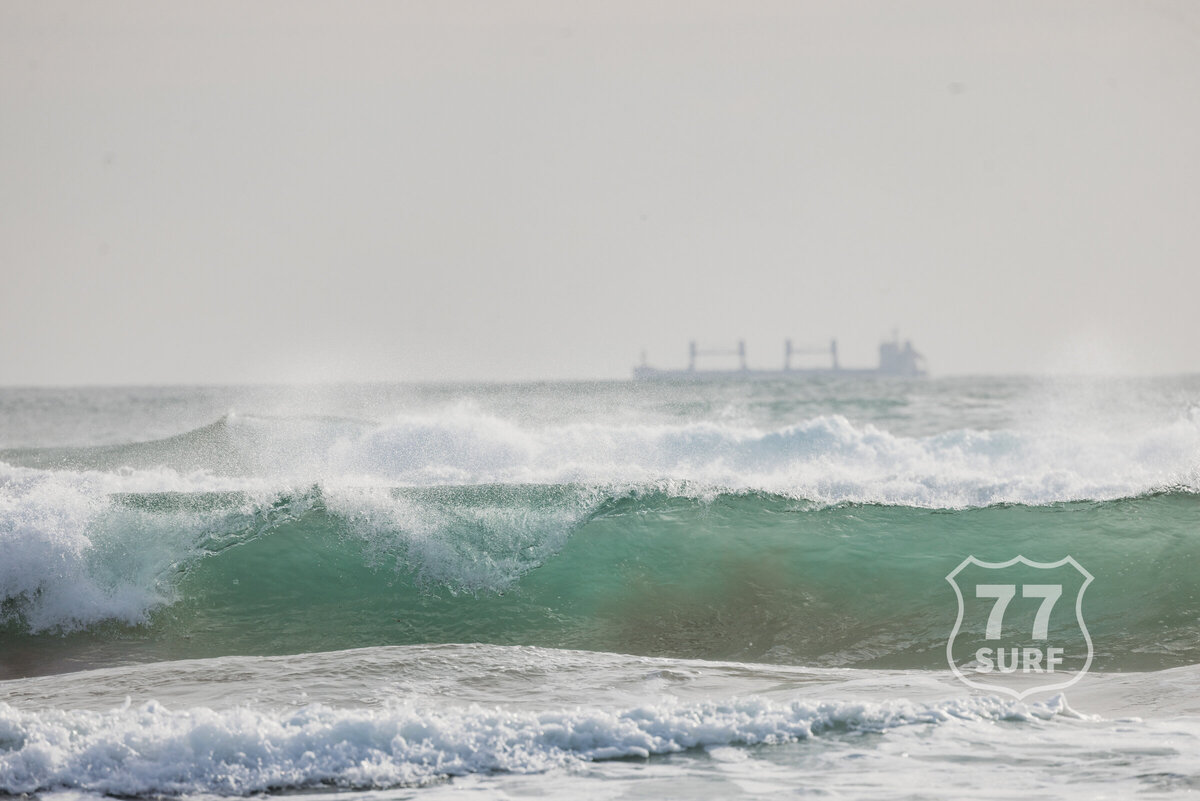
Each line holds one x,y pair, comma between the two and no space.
826,459
149,749
483,544
72,556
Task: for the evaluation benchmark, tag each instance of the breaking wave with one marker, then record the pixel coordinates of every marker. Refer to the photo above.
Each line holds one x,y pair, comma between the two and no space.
826,459
152,750
822,542
745,576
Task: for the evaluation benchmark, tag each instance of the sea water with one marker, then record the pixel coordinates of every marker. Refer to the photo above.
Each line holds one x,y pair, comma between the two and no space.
694,590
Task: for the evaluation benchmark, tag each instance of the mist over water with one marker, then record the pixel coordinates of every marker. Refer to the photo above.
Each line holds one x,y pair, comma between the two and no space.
805,525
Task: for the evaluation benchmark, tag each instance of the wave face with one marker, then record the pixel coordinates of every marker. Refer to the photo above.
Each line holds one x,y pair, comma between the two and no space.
808,524
732,576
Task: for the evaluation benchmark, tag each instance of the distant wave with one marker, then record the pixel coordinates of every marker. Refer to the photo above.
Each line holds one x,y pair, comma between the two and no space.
825,459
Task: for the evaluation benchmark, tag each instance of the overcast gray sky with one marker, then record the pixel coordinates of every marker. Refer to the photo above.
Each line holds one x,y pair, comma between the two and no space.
226,192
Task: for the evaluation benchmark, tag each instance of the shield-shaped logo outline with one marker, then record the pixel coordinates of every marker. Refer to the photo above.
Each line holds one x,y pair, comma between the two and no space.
1019,694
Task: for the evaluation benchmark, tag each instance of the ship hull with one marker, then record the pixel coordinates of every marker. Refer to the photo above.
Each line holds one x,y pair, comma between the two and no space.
656,374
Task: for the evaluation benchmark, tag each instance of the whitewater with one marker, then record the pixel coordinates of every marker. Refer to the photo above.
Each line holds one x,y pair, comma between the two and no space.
605,589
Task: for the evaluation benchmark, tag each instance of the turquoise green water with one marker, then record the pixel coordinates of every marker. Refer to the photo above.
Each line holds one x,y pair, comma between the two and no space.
599,590
748,577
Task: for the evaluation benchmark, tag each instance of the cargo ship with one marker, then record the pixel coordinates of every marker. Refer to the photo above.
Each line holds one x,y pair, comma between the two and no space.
895,359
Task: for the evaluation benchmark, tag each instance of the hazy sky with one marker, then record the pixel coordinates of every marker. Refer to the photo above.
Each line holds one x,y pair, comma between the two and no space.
227,192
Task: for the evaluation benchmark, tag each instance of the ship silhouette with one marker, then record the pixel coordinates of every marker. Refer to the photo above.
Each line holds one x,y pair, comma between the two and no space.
895,359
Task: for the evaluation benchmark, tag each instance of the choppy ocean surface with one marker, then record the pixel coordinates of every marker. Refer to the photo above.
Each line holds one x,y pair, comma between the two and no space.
605,590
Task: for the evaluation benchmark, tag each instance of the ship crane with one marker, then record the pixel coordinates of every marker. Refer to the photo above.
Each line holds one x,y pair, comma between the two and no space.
739,351
790,350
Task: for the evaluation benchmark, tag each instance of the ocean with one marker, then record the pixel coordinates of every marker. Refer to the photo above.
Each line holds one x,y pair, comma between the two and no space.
602,590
